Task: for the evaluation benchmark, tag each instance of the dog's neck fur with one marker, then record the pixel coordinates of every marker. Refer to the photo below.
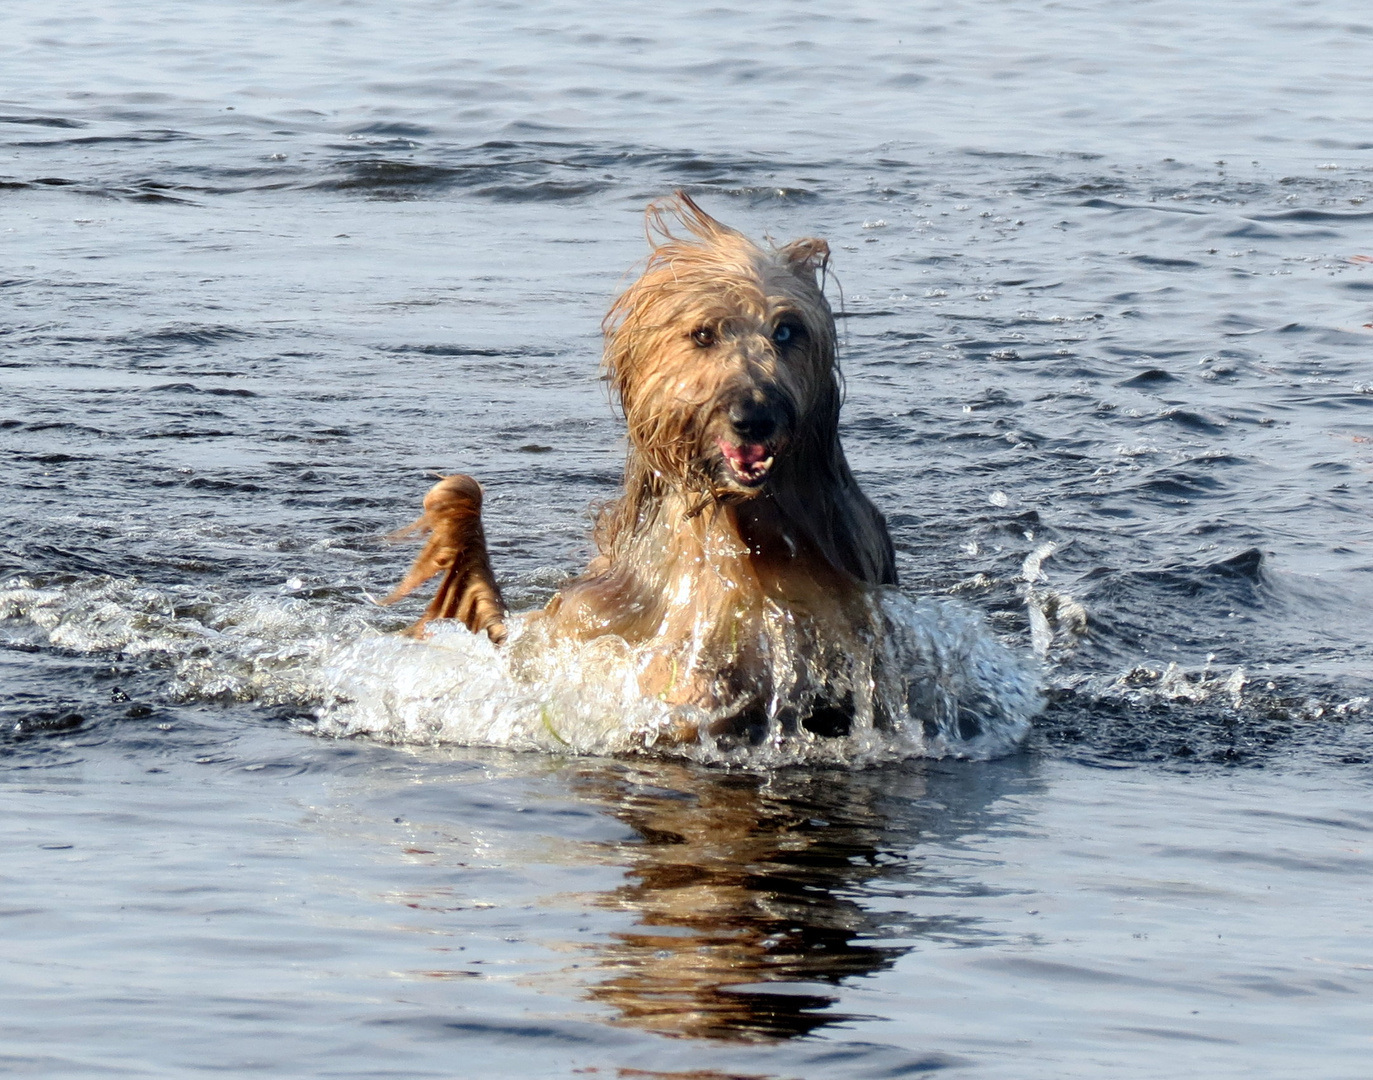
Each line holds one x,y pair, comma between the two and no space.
704,588
666,560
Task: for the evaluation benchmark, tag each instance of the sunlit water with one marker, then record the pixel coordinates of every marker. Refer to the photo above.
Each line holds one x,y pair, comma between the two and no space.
1107,321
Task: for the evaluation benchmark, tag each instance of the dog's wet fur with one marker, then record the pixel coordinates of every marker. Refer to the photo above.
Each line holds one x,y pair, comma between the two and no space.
739,513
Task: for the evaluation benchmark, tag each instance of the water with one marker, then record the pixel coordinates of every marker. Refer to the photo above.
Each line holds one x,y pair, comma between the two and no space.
1106,332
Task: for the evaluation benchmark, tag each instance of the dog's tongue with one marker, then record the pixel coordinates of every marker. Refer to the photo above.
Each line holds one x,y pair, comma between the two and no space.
745,455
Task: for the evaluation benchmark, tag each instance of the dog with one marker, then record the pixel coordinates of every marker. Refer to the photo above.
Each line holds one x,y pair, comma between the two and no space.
741,561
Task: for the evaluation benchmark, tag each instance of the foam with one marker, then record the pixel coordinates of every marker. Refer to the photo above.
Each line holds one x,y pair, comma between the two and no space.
932,670
944,684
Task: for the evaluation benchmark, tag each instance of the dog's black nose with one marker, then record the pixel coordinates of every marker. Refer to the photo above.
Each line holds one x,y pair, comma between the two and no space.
754,419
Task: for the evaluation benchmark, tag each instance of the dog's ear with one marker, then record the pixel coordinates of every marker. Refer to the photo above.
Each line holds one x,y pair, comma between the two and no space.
808,255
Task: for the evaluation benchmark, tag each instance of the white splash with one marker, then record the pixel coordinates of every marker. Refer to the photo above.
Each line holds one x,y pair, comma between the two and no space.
946,687
940,681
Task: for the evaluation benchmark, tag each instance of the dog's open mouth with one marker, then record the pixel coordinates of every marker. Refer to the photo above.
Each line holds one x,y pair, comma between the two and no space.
749,463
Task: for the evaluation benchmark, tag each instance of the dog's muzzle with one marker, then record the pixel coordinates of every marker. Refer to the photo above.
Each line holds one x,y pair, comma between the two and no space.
756,421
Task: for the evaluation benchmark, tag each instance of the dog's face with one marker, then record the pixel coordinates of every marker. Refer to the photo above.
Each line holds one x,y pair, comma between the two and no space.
723,355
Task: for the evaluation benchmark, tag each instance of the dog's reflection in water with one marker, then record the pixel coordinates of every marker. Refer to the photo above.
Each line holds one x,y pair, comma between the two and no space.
736,882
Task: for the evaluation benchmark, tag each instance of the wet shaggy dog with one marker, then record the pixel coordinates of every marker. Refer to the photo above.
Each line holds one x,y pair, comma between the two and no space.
741,561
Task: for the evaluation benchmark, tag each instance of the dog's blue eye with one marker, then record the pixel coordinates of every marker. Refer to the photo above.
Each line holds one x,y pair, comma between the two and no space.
784,334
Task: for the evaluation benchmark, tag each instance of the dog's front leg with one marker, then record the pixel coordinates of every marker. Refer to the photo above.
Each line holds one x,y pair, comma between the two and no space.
457,545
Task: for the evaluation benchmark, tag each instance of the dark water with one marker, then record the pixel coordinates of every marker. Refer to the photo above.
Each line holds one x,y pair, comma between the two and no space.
1107,278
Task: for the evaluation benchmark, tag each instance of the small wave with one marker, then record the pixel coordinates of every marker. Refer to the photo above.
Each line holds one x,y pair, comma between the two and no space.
518,181
125,138
43,121
535,170
191,388
377,174
469,350
176,335
1315,215
1159,262
1154,208
393,128
1217,715
543,190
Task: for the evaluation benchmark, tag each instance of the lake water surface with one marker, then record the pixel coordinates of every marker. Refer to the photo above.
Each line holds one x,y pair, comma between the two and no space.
1107,322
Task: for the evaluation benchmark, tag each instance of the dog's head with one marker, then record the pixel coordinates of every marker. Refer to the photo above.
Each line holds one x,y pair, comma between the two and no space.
722,354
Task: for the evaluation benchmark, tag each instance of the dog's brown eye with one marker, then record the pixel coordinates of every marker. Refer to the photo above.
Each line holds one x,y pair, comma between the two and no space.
704,336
